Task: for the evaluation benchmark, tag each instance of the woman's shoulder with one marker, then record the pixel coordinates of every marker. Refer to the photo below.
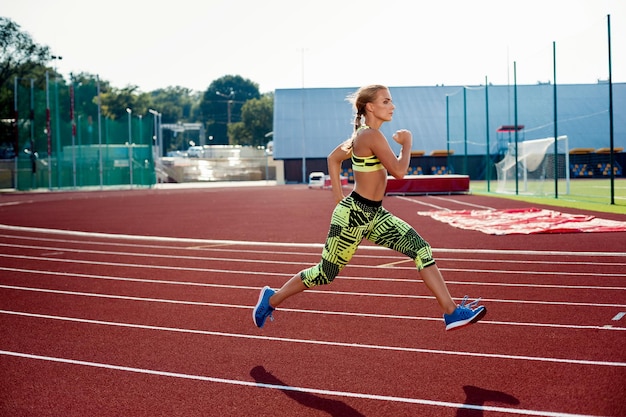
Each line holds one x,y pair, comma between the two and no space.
367,140
370,137
368,132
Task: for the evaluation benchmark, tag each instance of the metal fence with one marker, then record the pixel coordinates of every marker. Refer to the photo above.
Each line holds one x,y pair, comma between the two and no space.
59,145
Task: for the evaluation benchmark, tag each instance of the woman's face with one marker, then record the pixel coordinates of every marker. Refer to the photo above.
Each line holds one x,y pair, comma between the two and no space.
382,107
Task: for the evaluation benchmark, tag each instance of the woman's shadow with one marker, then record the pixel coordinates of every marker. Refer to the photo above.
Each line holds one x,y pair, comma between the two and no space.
475,399
334,408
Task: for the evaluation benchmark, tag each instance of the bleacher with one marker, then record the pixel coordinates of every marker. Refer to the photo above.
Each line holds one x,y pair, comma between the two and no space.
415,168
581,171
593,163
584,163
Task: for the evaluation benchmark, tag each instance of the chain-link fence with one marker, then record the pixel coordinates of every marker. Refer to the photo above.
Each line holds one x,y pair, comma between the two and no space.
566,89
61,145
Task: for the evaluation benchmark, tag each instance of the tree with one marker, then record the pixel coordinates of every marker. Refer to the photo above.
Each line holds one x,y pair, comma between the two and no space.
86,93
257,117
20,57
222,102
176,104
115,102
231,109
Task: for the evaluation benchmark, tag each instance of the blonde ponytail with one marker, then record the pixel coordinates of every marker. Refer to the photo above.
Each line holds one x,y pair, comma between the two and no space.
357,121
359,99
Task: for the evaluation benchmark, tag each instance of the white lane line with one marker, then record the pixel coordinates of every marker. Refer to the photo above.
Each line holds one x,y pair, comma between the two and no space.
260,261
322,312
619,316
158,238
334,393
22,229
344,293
324,342
13,203
422,203
463,203
396,259
401,280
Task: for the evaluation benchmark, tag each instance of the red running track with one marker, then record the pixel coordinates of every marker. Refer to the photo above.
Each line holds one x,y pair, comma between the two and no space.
138,303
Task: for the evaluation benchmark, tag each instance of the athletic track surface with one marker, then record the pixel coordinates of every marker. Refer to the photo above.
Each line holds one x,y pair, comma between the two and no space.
138,303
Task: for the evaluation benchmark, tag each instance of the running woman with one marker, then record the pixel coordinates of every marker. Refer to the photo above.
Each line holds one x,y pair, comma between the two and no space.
360,215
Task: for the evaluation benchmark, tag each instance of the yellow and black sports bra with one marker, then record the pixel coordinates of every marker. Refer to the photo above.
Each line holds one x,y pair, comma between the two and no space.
368,163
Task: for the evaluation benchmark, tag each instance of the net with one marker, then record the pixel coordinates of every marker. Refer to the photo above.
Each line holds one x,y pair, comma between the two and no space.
534,169
61,141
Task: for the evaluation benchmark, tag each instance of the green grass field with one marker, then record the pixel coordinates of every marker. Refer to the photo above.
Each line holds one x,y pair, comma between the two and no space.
586,194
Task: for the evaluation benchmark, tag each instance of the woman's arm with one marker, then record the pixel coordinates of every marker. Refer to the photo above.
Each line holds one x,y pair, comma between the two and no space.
396,166
335,158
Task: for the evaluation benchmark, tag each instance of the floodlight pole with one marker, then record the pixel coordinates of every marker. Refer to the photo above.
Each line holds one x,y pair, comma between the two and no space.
57,120
515,112
556,130
488,156
611,131
447,133
304,181
130,144
101,165
32,133
229,104
155,144
465,130
16,145
73,123
48,132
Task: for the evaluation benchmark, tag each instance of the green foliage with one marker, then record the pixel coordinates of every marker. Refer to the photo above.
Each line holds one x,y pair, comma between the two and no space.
176,104
20,56
257,117
222,103
231,108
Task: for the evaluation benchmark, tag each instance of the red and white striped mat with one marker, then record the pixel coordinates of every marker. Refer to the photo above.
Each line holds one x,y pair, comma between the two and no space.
524,221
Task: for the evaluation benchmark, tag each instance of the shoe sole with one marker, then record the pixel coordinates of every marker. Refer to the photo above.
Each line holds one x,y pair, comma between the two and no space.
258,304
460,324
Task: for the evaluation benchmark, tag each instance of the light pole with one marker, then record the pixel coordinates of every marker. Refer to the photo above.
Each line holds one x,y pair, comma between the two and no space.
140,117
156,154
57,123
155,136
229,102
229,96
130,144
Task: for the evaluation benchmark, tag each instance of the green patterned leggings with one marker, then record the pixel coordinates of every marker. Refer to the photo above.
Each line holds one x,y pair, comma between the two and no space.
354,219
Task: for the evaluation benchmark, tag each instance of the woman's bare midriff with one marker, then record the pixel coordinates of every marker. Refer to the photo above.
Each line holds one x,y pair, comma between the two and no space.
371,185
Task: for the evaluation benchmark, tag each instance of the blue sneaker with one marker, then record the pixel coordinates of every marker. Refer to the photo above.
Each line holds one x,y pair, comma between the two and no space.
263,309
464,315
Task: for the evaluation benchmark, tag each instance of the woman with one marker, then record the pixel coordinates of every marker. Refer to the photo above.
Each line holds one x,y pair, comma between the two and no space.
360,215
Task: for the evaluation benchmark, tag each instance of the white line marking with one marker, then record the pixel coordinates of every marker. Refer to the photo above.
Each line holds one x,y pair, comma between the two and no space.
158,238
22,229
334,393
294,310
421,203
13,203
463,203
221,248
349,293
325,342
232,260
619,316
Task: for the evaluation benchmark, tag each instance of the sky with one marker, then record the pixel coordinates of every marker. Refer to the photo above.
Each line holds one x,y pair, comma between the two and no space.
280,44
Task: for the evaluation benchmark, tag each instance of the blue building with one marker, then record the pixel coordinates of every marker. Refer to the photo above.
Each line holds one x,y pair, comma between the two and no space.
309,123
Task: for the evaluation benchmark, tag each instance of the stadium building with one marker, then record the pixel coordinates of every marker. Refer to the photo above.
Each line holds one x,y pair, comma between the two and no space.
457,129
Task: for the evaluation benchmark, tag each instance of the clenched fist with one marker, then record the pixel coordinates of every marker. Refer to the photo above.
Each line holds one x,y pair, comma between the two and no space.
403,137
